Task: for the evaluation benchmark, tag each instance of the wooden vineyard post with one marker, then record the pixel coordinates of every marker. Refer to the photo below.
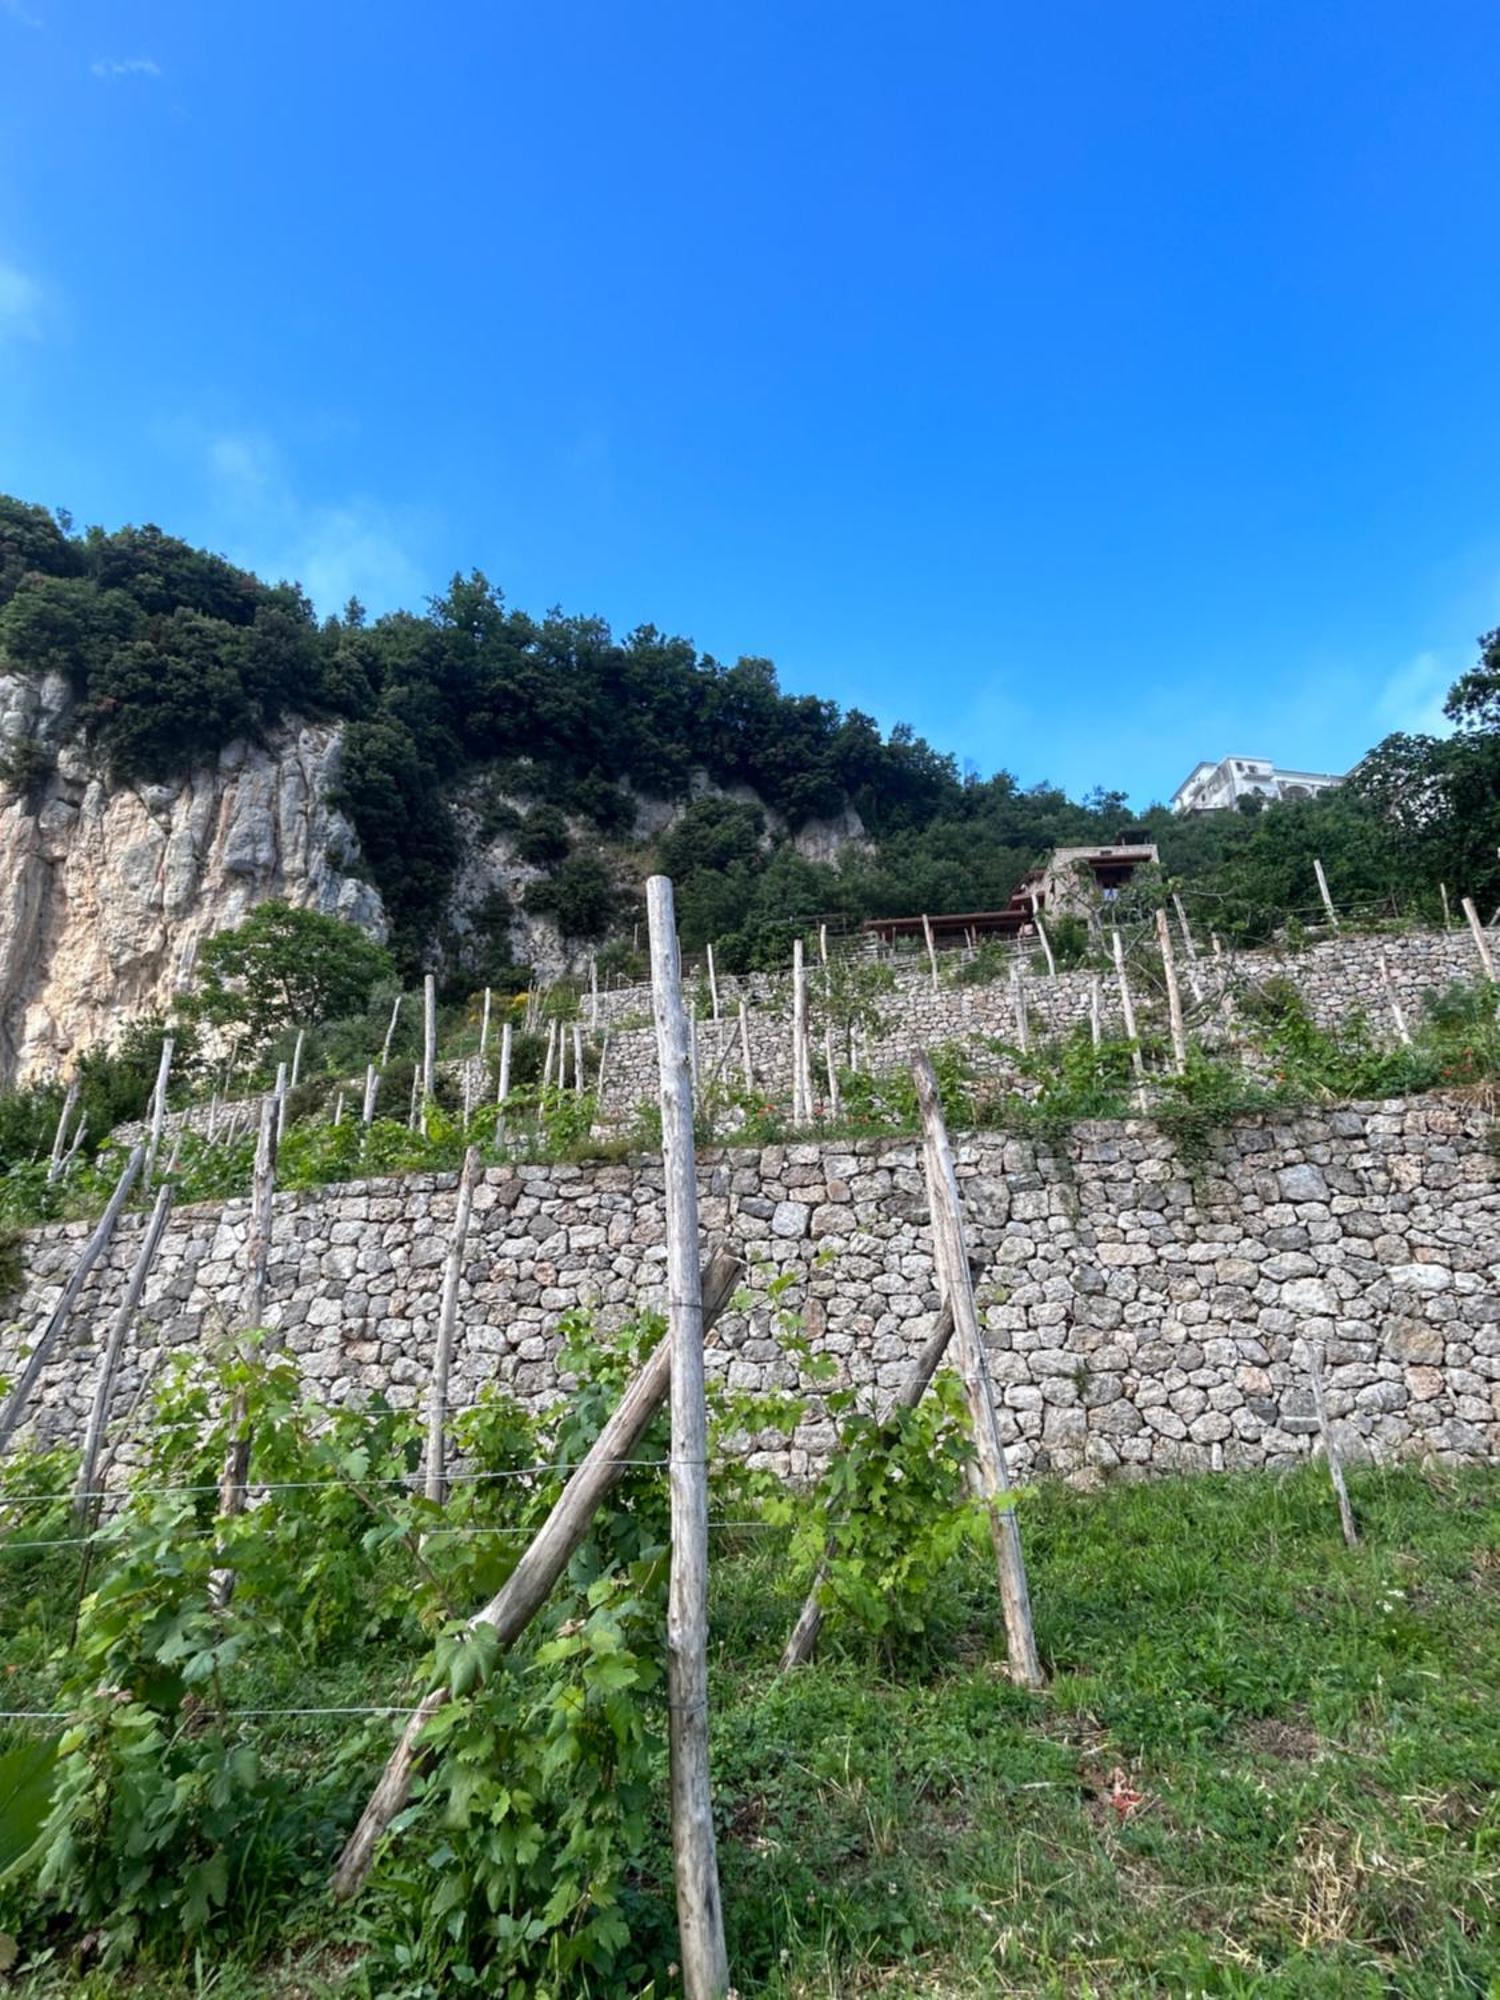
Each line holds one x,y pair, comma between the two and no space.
1333,915
59,1138
390,1033
801,1061
297,1048
1127,1009
1481,942
834,1104
700,1923
257,1258
956,1284
1189,948
435,1480
429,1038
1018,1001
502,1088
1046,942
1398,1012
551,1056
931,949
484,1027
713,983
338,1109
1096,1024
1174,992
578,1083
57,1319
1330,1449
598,1117
525,1590
158,1108
593,989
372,1091
280,1095
800,1646
1447,912
85,1498
745,1048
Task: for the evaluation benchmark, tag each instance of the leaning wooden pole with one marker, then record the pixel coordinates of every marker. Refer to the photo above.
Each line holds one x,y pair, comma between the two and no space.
85,1495
158,1108
1174,992
748,1065
1481,942
931,949
60,1136
372,1092
951,1258
1046,942
803,1641
390,1033
1398,1012
57,1319
1330,1448
802,1095
1324,892
435,1472
700,1917
713,983
1127,1009
529,1584
1189,947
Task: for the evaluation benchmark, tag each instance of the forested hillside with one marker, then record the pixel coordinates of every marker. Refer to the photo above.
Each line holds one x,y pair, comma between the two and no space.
172,652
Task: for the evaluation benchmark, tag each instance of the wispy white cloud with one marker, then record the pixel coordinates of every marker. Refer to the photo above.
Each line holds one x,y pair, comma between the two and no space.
1411,697
351,547
22,303
14,11
111,67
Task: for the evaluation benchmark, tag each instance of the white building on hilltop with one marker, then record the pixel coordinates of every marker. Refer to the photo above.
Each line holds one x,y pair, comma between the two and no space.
1211,787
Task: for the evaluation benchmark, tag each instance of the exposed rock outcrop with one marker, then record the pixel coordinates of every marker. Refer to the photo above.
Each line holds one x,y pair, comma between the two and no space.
106,889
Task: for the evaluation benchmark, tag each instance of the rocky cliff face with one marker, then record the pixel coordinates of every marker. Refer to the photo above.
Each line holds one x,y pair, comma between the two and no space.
105,890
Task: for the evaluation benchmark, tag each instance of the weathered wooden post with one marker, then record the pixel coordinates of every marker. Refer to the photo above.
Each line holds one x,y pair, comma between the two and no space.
372,1091
429,1038
551,1055
1481,942
1398,1012
1018,1001
1096,1024
593,989
57,1319
1330,1448
502,1088
745,1048
1447,912
435,1478
390,1033
951,1259
85,1497
1174,993
931,949
713,983
338,1109
1188,946
297,1047
1127,1009
578,1076
1046,942
158,1107
280,1094
484,1027
59,1138
834,1104
1333,915
705,1968
801,1060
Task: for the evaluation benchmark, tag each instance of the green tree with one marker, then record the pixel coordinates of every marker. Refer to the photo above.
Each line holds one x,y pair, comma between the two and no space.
285,968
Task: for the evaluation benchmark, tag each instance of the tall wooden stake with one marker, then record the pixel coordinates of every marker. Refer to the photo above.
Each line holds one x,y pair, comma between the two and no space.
1096,1023
429,1038
435,1478
1333,915
834,1105
390,1033
951,1258
551,1055
745,1048
1046,942
372,1091
59,1138
700,1922
280,1102
1018,1001
297,1048
1127,1009
158,1107
1398,1012
1447,912
1188,946
484,1026
713,983
1481,942
1174,992
1330,1449
57,1319
931,949
578,1057
85,1497
502,1088
801,1062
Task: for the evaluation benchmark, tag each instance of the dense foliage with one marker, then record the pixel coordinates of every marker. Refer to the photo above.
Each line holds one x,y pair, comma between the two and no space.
171,652
284,967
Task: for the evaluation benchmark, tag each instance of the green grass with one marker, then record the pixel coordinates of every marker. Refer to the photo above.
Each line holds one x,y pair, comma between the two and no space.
1264,1764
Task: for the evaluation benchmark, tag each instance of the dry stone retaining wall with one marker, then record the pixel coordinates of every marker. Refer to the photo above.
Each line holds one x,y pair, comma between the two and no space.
1138,1315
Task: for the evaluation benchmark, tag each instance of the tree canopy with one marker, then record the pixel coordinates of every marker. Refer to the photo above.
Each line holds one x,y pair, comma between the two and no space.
283,968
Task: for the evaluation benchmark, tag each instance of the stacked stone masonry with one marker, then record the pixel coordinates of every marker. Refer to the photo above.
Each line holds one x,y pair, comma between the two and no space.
1139,1315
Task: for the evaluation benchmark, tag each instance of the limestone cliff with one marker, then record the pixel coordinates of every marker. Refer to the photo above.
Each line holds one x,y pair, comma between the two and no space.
106,889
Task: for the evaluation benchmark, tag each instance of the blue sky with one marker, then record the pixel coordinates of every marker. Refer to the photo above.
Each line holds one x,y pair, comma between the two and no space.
1095,387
